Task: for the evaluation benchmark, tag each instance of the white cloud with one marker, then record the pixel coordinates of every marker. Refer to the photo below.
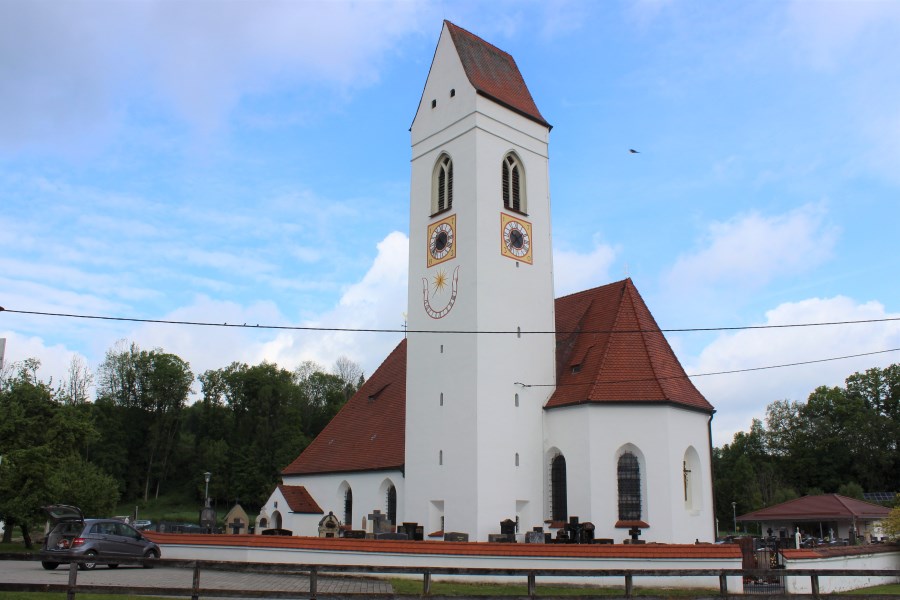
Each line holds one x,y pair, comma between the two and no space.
740,397
379,300
751,250
827,33
75,67
574,272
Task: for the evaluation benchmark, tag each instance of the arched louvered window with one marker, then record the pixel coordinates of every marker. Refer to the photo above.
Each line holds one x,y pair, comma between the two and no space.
513,183
629,476
348,507
392,504
559,504
442,185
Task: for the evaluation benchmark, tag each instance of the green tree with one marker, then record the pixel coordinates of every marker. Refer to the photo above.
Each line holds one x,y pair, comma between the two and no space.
39,441
149,390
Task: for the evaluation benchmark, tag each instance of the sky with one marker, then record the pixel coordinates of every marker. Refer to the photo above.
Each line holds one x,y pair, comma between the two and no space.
248,162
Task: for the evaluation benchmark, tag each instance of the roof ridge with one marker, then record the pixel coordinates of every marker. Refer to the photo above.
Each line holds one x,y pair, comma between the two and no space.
477,37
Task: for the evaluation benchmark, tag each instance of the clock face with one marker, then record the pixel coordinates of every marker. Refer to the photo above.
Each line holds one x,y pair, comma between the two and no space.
441,241
515,238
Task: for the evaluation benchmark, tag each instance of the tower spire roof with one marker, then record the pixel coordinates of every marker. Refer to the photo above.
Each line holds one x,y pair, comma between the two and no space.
494,73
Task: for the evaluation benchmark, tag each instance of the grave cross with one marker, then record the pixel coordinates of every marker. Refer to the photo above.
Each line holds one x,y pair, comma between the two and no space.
236,525
634,532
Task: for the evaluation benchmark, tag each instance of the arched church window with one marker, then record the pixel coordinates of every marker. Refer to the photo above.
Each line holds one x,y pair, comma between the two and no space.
442,185
513,183
629,476
559,505
392,504
348,507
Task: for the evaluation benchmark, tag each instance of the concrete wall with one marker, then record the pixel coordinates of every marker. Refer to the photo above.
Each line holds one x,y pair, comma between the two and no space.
319,556
828,585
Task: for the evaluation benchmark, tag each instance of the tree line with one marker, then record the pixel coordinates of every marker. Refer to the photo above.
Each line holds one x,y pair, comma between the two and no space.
140,435
842,439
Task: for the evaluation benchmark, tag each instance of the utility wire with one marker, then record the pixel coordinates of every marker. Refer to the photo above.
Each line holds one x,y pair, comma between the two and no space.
593,382
407,331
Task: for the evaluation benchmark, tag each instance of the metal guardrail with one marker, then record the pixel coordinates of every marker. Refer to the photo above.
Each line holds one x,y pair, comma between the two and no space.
312,572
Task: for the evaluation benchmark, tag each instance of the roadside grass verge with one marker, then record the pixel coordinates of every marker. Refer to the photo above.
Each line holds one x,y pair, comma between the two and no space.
892,589
413,587
62,595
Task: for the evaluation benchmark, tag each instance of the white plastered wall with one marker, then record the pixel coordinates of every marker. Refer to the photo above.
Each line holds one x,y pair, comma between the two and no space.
592,437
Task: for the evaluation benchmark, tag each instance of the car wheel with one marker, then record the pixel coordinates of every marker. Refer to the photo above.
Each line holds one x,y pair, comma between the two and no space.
152,555
49,565
112,566
87,566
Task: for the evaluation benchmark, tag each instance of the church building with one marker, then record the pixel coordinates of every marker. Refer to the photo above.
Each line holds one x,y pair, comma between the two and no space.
504,403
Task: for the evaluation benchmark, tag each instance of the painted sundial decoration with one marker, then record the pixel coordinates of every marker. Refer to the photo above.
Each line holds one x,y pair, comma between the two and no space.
515,238
441,241
439,294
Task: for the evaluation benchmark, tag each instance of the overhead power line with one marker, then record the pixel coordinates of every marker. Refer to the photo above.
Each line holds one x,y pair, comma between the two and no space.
729,372
405,330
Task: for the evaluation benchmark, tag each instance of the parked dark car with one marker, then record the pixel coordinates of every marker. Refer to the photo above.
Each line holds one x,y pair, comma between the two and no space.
73,536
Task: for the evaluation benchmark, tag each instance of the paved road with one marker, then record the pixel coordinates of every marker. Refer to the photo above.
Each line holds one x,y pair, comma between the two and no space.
12,571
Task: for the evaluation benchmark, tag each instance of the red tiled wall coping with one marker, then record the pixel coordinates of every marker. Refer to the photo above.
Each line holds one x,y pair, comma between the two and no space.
837,551
636,551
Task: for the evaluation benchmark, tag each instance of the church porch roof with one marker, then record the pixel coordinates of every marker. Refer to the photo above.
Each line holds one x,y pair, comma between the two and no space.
299,499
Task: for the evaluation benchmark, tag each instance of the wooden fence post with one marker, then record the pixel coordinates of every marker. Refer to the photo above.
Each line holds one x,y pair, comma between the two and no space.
73,579
532,585
426,583
313,582
195,587
723,585
814,584
629,586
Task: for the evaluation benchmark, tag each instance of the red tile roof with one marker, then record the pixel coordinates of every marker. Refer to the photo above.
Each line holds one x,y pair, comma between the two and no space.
368,433
299,500
610,349
607,333
836,551
493,73
640,551
825,507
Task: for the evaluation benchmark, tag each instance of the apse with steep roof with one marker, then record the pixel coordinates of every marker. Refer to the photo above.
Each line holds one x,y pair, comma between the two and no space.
610,350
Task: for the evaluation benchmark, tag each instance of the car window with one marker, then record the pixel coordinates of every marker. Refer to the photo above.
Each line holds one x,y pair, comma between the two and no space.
126,530
98,528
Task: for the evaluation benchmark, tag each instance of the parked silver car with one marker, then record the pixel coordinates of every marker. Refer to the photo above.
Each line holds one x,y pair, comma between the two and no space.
73,536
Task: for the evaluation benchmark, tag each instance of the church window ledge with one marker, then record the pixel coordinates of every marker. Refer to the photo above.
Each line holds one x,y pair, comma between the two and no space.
622,524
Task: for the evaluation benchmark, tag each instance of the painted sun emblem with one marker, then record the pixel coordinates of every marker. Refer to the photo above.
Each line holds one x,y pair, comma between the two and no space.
440,281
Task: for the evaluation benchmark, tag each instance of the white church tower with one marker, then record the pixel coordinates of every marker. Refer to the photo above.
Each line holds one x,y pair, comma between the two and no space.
481,302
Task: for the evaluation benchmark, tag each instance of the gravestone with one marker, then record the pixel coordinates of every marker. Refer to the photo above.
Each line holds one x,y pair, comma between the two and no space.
587,533
208,519
329,525
237,521
391,536
536,537
502,538
508,527
409,529
380,523
456,536
355,534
